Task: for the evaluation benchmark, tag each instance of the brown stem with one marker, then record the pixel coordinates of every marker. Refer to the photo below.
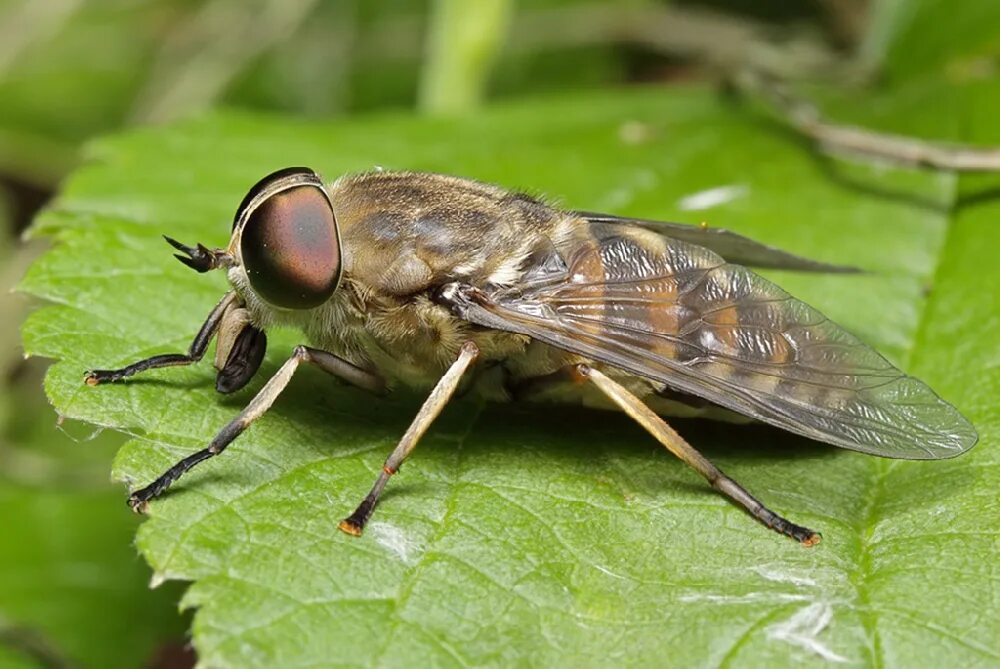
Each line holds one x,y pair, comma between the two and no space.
806,119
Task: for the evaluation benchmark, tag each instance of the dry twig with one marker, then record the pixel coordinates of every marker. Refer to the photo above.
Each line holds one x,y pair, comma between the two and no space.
807,120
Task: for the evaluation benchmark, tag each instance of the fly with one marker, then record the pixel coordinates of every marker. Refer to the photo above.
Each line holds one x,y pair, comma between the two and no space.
435,282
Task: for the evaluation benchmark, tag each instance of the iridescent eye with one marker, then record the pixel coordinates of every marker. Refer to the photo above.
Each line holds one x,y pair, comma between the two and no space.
290,246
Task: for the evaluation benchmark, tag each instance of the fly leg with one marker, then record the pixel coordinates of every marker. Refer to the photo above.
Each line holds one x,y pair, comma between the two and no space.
435,402
666,435
328,362
194,354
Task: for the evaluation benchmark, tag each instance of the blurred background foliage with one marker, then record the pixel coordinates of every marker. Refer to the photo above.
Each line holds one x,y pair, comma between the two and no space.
74,69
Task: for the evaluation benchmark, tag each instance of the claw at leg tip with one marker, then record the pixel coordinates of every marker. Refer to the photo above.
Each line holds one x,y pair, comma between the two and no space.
348,526
137,505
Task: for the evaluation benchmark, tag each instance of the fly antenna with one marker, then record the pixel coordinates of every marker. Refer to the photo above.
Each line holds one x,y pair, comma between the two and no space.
199,258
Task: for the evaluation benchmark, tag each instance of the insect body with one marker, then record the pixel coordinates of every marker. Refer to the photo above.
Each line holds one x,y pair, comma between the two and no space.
430,281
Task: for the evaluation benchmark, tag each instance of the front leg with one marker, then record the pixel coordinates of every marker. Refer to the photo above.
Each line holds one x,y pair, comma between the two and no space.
195,353
254,410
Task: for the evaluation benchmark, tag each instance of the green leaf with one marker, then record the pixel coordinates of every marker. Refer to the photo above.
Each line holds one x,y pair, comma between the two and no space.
70,584
69,577
914,38
526,535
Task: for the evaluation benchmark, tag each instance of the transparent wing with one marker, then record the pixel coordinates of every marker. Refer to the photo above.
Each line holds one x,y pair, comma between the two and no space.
678,313
731,246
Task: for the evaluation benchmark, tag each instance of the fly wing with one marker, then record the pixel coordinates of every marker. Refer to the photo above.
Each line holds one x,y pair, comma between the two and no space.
731,246
678,313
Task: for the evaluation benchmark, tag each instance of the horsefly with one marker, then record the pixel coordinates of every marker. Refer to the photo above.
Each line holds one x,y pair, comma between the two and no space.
438,282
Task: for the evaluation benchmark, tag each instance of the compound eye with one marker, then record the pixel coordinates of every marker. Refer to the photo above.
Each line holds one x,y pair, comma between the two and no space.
290,248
